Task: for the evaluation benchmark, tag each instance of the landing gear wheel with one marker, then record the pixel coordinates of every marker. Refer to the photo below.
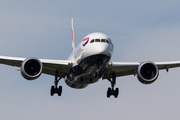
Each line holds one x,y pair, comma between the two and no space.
109,92
112,91
55,89
52,90
116,92
59,90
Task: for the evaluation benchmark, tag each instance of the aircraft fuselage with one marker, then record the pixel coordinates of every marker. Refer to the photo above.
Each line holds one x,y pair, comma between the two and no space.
89,59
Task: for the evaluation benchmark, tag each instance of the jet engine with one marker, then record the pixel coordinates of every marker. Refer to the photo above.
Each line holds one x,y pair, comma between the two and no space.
147,72
31,68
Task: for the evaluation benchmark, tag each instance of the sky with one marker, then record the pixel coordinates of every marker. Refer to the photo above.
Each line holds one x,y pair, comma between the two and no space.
140,30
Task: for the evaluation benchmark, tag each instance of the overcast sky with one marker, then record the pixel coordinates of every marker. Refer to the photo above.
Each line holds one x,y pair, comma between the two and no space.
140,30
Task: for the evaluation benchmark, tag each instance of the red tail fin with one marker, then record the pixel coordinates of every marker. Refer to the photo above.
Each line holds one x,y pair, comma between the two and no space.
73,37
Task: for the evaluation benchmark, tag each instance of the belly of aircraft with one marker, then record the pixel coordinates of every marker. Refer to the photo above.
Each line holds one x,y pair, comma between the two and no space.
86,71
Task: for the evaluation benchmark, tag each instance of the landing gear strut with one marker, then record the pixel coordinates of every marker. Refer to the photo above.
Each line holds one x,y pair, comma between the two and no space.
112,91
55,89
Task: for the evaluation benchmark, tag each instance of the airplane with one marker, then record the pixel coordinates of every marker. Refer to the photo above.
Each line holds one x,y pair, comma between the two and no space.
88,63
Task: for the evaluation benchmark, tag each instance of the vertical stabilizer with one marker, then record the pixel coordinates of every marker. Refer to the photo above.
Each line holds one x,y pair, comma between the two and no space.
73,37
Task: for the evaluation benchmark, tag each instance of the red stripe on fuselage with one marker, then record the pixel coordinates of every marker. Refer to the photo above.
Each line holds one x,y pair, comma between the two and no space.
85,39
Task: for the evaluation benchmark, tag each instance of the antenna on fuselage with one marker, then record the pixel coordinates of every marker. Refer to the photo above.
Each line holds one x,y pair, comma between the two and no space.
73,37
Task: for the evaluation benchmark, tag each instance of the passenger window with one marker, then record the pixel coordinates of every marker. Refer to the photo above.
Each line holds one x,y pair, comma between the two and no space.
92,41
97,40
103,40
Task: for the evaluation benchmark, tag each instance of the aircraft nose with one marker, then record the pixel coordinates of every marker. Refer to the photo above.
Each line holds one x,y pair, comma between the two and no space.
102,49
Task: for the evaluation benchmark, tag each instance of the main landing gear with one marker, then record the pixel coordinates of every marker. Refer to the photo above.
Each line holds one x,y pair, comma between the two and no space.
55,89
112,91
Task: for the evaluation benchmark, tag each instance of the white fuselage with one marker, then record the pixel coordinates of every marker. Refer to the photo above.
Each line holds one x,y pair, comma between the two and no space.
89,59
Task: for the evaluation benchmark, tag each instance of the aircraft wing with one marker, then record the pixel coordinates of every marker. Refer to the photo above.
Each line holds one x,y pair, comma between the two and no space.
130,68
49,66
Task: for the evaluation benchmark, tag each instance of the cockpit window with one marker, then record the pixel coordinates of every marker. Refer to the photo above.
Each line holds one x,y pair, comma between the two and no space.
103,40
92,41
110,41
97,40
100,40
107,41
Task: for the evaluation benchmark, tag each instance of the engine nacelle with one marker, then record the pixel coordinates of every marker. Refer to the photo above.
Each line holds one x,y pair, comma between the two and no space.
147,72
31,68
